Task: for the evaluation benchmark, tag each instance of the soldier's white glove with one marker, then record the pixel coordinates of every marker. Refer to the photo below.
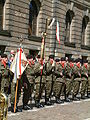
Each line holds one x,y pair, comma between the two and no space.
53,64
41,67
61,74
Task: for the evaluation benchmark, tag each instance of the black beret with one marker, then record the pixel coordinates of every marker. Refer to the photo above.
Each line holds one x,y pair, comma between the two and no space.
78,60
63,59
51,56
4,56
71,60
57,59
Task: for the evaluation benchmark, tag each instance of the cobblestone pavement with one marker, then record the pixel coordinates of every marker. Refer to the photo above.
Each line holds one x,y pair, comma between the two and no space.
76,110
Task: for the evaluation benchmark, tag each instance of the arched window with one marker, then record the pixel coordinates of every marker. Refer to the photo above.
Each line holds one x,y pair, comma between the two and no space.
33,14
84,29
69,17
1,13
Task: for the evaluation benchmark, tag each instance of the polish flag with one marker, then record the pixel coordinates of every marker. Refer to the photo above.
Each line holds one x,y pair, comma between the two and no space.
57,32
19,64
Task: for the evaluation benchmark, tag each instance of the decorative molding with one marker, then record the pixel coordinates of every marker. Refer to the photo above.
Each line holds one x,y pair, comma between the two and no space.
70,44
86,47
5,33
35,38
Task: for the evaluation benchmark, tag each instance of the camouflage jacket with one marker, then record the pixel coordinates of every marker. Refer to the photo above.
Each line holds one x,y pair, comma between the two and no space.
50,71
84,71
5,71
59,72
37,71
5,80
76,71
68,71
30,74
89,70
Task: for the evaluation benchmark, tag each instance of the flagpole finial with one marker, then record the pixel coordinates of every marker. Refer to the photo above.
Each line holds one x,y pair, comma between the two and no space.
45,34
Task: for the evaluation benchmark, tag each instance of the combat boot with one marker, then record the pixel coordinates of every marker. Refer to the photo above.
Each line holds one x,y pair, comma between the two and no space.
12,107
27,107
83,97
17,109
75,98
47,102
59,101
88,95
67,100
38,104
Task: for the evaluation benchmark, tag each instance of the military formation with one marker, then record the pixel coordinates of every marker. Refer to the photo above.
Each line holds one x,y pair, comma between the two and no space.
62,78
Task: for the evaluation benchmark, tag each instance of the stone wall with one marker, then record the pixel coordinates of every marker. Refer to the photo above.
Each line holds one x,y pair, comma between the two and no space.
16,20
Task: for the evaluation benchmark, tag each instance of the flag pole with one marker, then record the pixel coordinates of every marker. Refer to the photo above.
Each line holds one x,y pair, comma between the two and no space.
42,54
17,84
15,96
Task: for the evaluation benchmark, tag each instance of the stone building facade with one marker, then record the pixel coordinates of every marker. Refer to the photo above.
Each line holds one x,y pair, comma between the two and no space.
26,19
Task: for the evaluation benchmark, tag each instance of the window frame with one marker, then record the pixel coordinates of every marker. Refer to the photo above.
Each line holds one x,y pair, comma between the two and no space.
84,26
32,30
68,21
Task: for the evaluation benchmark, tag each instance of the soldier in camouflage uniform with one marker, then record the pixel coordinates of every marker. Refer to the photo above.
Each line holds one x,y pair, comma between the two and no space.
68,80
77,79
28,81
50,78
39,81
84,79
88,92
58,84
5,74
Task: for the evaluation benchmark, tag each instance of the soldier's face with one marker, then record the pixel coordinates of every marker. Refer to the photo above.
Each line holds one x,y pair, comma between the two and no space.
51,60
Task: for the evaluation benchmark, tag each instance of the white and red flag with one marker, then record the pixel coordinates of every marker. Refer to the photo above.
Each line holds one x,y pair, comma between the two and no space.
19,64
57,32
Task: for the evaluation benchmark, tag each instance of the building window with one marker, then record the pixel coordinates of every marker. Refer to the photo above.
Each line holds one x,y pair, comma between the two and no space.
1,13
84,29
69,17
33,14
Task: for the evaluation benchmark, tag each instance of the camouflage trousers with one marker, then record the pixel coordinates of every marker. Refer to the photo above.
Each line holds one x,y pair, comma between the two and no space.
13,90
27,93
76,86
68,86
89,84
57,88
83,86
5,85
39,90
49,88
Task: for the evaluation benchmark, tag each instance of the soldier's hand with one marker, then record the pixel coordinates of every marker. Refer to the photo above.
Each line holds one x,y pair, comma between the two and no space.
61,74
86,75
53,64
41,67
